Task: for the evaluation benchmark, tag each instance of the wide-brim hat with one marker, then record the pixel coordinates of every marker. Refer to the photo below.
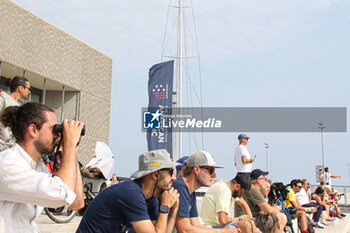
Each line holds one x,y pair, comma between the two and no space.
153,161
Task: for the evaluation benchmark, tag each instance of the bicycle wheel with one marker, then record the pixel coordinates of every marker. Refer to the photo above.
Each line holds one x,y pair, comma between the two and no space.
61,214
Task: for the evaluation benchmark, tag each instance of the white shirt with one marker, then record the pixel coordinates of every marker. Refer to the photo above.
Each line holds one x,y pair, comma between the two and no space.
327,178
239,152
303,197
25,185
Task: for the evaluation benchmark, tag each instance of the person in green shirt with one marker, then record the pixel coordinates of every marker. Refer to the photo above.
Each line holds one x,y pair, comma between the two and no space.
267,218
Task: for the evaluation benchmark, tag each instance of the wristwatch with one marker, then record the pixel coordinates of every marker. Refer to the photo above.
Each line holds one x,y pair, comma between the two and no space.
164,209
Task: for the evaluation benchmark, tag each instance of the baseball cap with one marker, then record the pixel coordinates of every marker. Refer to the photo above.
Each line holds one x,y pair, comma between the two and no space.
153,161
244,181
243,136
181,161
201,158
256,173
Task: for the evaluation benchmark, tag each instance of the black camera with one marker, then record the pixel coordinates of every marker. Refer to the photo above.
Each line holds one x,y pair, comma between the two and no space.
59,129
56,155
278,189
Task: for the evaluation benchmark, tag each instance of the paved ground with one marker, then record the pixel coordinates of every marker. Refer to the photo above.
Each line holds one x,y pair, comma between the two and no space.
46,225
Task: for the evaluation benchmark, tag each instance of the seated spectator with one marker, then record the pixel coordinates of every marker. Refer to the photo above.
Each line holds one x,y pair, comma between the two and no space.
267,218
131,206
296,186
181,166
217,204
114,180
319,197
304,200
332,200
199,171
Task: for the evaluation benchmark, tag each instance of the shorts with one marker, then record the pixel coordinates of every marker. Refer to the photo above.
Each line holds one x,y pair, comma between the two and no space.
266,222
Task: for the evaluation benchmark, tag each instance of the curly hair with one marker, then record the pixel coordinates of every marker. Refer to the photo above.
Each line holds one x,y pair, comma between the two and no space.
19,118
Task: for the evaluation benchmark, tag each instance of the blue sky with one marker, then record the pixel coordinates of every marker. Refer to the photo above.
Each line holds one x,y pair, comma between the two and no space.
254,53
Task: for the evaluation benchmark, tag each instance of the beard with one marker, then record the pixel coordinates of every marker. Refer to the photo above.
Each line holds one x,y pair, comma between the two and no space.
236,194
43,147
203,181
163,185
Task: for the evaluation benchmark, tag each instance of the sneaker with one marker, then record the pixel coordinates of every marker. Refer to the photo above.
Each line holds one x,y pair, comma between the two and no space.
343,215
320,224
317,225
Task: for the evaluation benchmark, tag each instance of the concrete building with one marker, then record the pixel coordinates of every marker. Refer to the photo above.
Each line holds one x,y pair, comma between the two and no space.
68,75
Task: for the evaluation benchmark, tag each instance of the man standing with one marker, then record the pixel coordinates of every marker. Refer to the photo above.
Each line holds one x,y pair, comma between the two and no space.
326,178
131,206
199,171
217,203
267,218
24,180
20,88
243,160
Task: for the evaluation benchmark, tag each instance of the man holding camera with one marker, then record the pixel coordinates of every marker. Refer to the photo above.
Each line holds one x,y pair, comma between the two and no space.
24,180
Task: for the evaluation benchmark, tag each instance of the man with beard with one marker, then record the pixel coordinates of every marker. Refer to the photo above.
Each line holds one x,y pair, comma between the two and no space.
217,203
131,206
199,171
267,218
20,89
25,183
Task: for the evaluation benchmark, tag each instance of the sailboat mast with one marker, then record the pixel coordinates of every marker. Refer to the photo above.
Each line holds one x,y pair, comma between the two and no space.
179,77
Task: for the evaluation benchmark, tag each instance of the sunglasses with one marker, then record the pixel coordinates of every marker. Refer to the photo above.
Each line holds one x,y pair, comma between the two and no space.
211,170
29,88
299,186
170,170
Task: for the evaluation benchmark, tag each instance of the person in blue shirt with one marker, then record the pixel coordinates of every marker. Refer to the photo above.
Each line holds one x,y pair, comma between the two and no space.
132,206
179,168
198,171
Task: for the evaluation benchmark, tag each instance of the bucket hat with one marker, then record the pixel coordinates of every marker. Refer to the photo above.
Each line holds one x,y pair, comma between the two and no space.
153,161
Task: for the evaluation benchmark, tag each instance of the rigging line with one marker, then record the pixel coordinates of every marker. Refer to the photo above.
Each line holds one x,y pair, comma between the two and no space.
166,40
194,140
193,38
192,86
200,72
166,26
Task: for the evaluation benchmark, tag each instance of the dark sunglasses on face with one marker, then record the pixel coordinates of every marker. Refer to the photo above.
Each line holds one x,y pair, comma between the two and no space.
299,186
29,88
170,170
211,170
